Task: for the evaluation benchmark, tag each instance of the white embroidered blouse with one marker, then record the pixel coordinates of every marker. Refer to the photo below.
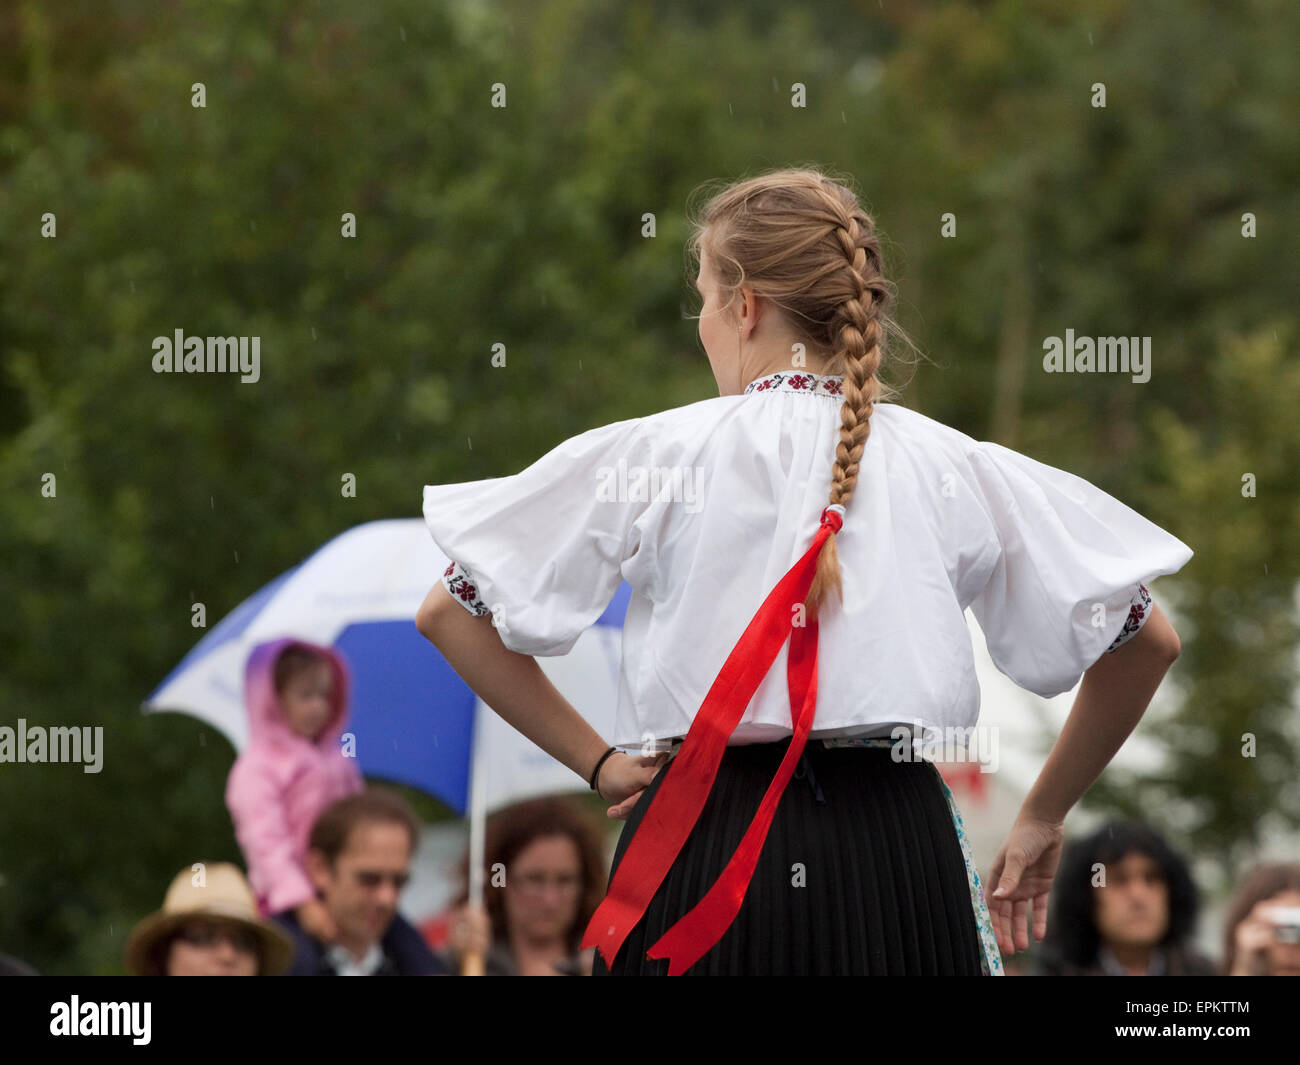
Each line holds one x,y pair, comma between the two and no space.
703,508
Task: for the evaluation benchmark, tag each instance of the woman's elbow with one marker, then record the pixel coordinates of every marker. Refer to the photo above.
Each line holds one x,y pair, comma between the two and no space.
1159,638
427,617
1174,646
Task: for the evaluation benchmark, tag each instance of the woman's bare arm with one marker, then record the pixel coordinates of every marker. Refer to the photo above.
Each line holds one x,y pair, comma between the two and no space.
1112,698
1114,694
513,685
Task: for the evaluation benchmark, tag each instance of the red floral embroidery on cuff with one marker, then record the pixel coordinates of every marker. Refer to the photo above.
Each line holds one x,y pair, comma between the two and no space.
1137,616
460,583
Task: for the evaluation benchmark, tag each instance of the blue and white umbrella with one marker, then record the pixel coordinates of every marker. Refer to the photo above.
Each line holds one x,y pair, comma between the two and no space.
413,717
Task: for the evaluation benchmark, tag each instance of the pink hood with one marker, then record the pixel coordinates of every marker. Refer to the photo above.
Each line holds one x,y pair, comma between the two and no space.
281,781
266,723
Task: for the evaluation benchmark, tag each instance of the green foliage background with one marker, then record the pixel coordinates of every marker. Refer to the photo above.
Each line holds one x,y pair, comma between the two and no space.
522,225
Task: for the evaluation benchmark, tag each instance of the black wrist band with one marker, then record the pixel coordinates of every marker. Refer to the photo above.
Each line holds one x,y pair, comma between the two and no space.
596,772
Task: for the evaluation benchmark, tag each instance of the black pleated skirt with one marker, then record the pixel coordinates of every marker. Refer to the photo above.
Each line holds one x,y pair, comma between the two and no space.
861,874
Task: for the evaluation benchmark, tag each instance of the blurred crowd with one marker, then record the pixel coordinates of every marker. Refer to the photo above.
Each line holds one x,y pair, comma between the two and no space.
328,859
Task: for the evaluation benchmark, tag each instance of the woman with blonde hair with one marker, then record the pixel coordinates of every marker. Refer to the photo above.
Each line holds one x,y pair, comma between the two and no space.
801,521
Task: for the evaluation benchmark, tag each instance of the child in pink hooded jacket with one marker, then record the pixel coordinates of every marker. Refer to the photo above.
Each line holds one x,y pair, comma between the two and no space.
292,768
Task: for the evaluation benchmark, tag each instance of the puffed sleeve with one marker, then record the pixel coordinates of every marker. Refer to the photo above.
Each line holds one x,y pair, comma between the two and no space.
543,550
1064,548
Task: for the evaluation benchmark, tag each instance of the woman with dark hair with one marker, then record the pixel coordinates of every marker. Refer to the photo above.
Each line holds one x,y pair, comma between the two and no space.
543,875
1261,934
1124,904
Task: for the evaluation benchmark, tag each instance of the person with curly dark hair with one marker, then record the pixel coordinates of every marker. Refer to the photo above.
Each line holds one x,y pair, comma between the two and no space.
1124,904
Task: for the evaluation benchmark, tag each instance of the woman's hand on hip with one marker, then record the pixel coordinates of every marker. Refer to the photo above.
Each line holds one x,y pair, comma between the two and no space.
1023,872
623,778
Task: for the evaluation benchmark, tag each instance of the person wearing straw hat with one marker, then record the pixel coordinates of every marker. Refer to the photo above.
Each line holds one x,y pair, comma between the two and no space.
208,926
801,553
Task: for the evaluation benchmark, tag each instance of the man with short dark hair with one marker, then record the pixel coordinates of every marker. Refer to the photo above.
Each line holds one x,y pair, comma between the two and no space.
358,860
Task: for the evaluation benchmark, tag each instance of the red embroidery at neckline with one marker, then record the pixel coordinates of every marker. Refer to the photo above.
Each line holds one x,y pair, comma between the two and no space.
810,384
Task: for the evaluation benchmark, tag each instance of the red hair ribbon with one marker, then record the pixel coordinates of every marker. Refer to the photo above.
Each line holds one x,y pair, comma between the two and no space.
677,804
